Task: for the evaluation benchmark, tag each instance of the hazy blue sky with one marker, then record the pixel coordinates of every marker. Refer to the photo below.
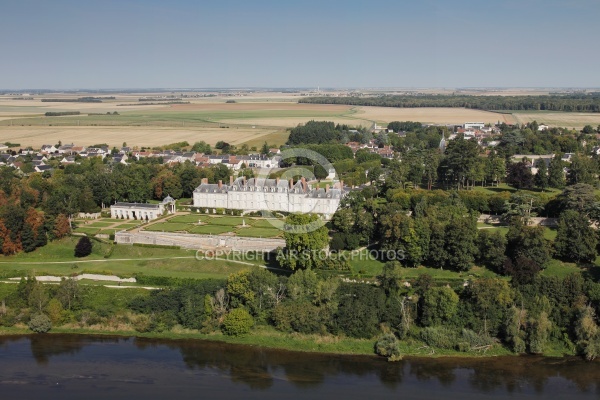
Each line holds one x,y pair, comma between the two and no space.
278,43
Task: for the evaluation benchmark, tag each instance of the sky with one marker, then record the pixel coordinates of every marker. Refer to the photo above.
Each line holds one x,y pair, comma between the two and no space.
118,44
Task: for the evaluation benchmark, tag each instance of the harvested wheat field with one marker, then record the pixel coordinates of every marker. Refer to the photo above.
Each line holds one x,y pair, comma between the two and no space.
431,115
260,106
134,136
559,119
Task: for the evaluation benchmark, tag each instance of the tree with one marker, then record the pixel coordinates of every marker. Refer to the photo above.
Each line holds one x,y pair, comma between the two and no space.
523,270
83,248
62,226
576,239
237,322
305,239
265,149
491,297
519,175
68,292
38,296
28,239
581,170
460,157
359,310
398,234
588,129
579,197
556,174
588,333
541,177
491,248
459,245
528,242
439,306
202,147
431,163
495,168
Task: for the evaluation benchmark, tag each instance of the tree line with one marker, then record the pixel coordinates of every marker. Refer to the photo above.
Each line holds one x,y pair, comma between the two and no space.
568,102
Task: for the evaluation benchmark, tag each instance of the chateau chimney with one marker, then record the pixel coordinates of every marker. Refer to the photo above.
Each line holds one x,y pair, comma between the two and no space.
291,183
204,181
276,181
230,180
327,188
220,184
342,185
303,184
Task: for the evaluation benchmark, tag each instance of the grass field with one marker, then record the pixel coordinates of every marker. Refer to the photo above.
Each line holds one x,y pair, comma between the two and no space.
217,225
57,258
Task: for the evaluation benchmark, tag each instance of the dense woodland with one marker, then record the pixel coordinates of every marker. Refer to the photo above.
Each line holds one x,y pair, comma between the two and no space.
422,208
589,102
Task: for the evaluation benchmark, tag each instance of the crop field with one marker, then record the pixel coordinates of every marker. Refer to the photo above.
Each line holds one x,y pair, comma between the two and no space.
430,115
251,119
560,119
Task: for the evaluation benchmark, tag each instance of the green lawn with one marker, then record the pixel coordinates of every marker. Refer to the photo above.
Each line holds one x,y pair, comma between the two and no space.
211,229
503,187
188,219
262,223
228,221
550,233
560,269
168,227
125,261
87,231
100,224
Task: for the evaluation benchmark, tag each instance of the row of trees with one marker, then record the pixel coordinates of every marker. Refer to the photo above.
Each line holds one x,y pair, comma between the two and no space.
571,102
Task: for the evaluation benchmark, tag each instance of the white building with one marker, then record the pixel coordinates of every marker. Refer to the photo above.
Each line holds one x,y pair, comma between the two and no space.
474,125
142,211
269,195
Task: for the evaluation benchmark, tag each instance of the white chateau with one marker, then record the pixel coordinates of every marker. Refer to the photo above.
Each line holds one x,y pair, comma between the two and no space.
142,211
258,194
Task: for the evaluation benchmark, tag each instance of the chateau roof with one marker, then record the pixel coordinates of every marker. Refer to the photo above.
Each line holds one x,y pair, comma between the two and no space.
136,205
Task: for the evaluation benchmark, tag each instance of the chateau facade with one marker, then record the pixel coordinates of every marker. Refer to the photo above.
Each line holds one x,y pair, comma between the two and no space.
270,195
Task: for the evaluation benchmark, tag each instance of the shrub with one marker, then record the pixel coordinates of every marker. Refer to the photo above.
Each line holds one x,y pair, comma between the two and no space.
83,247
237,323
387,346
440,337
142,323
40,323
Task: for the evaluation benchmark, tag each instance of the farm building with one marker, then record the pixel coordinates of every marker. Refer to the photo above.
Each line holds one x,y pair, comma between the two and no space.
142,211
258,194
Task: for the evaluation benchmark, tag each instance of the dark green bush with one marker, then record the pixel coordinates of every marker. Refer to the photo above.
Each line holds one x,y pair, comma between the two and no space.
40,323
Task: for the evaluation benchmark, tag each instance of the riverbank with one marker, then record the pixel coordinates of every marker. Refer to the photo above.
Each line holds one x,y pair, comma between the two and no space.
268,337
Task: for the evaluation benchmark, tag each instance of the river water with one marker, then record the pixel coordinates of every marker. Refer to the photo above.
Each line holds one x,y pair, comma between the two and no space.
93,367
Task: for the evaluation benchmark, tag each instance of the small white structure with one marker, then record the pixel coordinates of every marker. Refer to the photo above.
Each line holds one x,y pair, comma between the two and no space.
474,125
142,211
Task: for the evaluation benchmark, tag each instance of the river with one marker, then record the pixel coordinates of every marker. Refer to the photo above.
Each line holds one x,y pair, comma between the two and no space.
96,367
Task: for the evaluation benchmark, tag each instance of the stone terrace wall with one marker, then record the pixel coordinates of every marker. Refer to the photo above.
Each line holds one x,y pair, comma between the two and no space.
199,242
